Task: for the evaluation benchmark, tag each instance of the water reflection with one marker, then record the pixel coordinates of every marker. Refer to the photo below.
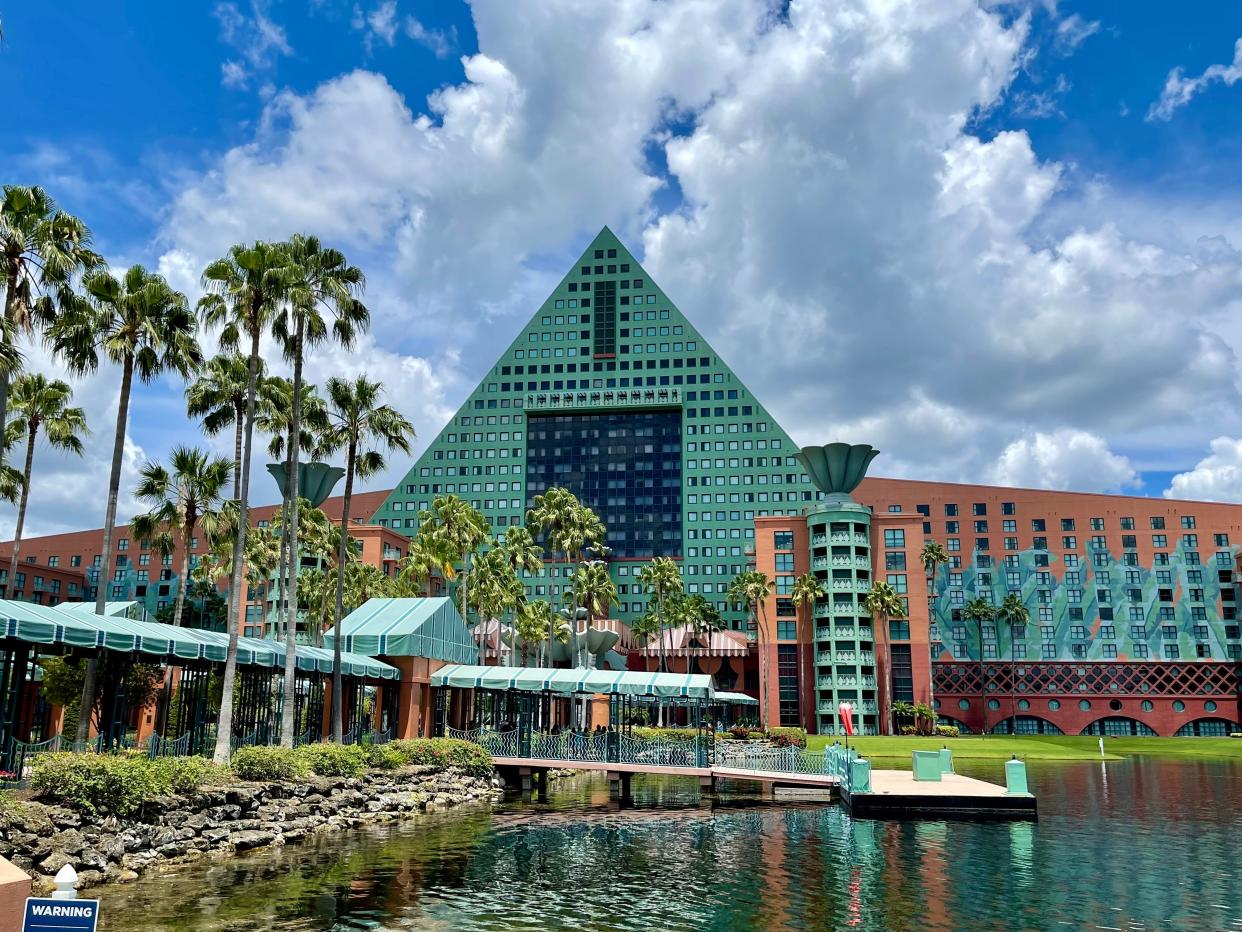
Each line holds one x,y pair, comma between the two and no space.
1143,844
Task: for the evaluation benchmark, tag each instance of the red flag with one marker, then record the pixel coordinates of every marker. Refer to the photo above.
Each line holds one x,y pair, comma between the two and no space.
846,712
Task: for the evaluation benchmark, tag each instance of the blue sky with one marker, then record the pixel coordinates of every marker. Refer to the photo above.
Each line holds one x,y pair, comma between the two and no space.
1002,186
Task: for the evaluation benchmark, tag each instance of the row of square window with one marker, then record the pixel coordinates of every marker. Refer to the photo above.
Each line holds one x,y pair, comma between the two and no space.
1013,578
979,509
954,544
1045,614
1069,542
1107,651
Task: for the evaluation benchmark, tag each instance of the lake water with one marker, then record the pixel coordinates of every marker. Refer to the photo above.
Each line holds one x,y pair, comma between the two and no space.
1136,844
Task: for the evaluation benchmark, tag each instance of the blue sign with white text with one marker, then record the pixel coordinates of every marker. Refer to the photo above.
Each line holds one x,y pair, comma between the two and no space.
46,915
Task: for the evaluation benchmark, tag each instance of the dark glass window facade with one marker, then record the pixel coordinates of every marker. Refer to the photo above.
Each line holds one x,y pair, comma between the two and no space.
606,318
625,466
787,671
903,673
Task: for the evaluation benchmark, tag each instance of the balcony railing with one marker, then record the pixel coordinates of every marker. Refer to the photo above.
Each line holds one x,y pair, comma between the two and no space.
819,540
609,398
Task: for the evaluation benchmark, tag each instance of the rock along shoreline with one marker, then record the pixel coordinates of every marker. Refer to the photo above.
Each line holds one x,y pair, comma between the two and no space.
221,820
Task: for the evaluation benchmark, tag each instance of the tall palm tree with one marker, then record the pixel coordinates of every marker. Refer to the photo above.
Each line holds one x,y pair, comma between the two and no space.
807,590
461,530
145,326
661,578
41,403
1013,612
597,593
533,624
245,290
218,396
360,425
184,498
750,590
980,610
321,280
495,591
42,248
701,615
364,581
933,557
883,602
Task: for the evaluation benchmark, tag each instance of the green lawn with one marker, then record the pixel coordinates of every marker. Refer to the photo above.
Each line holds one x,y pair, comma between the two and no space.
1038,747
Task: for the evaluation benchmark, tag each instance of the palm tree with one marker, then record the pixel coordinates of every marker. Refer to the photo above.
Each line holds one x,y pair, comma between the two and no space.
218,396
321,280
364,581
661,578
883,602
1013,611
461,530
980,610
244,293
934,556
533,624
701,615
41,249
807,590
142,324
429,555
596,592
750,590
39,402
359,424
495,590
924,713
902,710
184,499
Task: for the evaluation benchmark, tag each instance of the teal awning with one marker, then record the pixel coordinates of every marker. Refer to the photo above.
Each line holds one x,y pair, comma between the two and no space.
39,624
735,699
580,680
111,609
430,628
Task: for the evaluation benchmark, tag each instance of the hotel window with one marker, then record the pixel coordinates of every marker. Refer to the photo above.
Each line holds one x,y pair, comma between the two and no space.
950,511
1049,651
1078,651
784,563
953,544
1011,543
894,537
1039,525
1138,632
951,527
1223,557
1172,652
122,544
1071,560
1141,652
898,582
787,630
1127,524
1188,522
1110,651
1220,540
1009,508
989,651
1067,524
1097,524
1039,543
1009,526
1069,542
1157,523
895,560
1203,651
783,540
784,585
979,508
981,543
981,527
1018,651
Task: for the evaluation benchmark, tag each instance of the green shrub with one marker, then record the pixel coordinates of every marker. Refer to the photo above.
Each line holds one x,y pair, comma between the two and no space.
384,757
259,763
947,731
445,752
334,760
116,784
909,730
787,737
745,732
667,734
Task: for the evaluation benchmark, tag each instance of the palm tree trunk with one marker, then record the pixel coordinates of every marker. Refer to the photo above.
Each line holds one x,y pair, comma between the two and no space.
239,415
931,620
291,530
10,314
880,640
101,583
21,506
179,604
338,732
224,726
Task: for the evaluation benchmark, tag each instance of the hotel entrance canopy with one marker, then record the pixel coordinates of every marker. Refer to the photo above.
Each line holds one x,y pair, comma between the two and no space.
429,628
73,627
735,699
570,682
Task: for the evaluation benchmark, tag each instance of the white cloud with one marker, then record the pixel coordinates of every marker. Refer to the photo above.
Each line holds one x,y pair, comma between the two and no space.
1216,478
1064,460
1073,31
1179,89
940,292
257,38
439,42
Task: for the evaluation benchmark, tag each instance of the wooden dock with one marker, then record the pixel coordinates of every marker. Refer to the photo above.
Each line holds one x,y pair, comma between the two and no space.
895,793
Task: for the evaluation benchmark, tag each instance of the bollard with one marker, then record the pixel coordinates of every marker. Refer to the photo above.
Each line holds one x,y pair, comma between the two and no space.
65,882
1015,776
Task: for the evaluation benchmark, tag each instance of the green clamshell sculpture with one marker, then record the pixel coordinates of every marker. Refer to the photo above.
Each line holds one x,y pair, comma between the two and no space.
837,468
315,480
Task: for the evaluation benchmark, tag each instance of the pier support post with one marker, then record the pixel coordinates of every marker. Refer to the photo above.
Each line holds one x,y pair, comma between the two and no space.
541,784
619,785
707,785
525,774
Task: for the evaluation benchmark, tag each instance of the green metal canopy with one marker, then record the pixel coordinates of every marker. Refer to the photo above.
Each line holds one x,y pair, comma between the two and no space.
111,609
578,680
735,699
430,628
39,624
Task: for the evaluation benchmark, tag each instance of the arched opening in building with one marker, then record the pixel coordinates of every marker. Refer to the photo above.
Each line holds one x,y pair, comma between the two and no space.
1208,728
1119,726
1027,725
961,726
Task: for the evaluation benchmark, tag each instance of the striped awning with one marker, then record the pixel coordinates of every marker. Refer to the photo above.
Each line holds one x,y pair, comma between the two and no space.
111,609
39,624
579,680
429,628
723,698
685,641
